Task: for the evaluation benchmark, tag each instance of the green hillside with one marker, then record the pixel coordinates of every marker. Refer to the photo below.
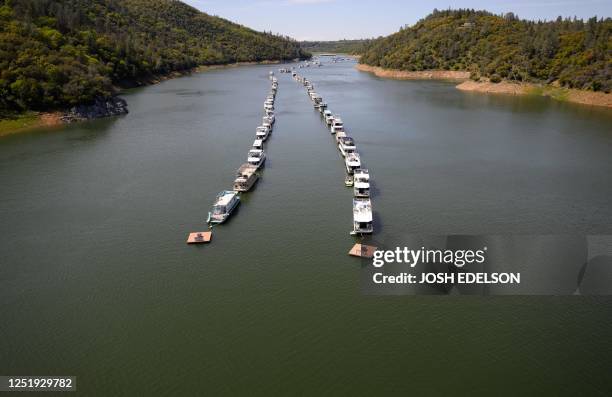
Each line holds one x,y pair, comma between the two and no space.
572,53
59,53
353,47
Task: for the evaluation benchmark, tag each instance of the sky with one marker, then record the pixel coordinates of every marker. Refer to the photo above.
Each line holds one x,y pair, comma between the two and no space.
355,19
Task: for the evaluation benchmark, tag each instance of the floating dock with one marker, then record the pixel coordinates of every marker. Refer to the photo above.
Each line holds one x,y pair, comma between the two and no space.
199,237
363,251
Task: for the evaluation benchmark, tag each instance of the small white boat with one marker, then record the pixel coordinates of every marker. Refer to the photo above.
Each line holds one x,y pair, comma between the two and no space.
267,125
321,107
352,161
268,107
329,117
348,181
256,157
361,179
336,125
262,133
362,216
225,203
258,144
346,145
246,177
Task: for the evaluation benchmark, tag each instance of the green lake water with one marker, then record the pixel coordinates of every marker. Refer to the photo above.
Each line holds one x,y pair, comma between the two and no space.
96,280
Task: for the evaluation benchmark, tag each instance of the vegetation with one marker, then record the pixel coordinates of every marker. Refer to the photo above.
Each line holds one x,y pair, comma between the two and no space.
59,53
353,47
569,52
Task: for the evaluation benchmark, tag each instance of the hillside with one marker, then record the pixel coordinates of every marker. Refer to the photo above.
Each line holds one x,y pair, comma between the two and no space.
570,53
59,53
353,47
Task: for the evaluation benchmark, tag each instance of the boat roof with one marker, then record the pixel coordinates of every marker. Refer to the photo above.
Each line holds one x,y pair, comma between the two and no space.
362,185
246,169
258,142
225,197
362,210
327,112
255,151
353,157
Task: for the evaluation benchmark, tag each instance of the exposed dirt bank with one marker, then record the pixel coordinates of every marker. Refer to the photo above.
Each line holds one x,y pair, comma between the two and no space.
417,75
563,94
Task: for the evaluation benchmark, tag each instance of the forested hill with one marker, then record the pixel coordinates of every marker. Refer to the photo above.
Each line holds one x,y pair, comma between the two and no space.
340,46
59,53
572,53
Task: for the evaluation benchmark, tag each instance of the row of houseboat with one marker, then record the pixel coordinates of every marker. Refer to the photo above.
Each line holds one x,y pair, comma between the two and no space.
357,177
247,175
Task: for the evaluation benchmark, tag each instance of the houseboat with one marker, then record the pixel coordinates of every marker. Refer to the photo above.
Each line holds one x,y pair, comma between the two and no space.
361,183
362,216
329,117
225,203
256,157
336,125
346,145
246,177
262,133
352,161
258,144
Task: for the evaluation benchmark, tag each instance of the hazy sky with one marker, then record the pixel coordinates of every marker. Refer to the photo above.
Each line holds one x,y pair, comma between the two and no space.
338,19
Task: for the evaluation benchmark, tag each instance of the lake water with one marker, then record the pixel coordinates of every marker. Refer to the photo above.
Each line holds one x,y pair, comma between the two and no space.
96,279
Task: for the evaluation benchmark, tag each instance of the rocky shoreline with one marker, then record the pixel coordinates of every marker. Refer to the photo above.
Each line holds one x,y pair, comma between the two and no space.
102,107
505,87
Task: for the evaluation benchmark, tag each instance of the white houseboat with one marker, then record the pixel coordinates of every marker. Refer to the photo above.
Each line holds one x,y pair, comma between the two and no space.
352,161
262,133
256,157
336,125
346,145
225,203
361,187
362,216
258,144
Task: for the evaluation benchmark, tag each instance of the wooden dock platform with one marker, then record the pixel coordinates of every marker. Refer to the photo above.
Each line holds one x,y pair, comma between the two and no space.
363,251
199,237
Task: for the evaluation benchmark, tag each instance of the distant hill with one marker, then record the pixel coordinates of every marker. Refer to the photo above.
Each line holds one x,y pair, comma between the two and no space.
353,47
59,53
569,52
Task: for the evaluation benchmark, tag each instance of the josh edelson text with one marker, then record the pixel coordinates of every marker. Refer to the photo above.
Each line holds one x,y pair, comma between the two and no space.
439,257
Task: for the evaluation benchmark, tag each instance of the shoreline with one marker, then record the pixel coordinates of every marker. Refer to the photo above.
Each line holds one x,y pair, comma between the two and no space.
454,75
32,120
583,97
